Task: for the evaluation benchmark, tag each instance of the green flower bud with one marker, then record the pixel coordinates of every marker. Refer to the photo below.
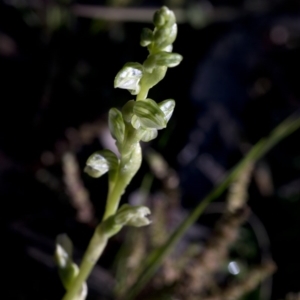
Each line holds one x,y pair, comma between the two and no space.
154,76
165,36
167,106
135,122
163,59
169,48
169,59
129,77
127,111
116,124
149,134
149,114
160,35
63,258
101,162
158,18
132,216
63,251
164,17
149,64
168,16
146,37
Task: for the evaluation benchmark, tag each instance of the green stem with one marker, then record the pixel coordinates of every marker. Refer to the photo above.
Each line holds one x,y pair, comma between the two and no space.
98,241
91,256
155,258
142,95
114,197
129,165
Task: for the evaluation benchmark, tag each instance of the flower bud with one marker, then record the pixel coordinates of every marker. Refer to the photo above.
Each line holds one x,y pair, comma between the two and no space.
127,111
146,37
135,122
160,35
158,19
169,48
167,106
132,216
63,258
154,76
116,124
168,16
129,77
149,114
149,134
64,250
165,36
164,17
163,59
100,162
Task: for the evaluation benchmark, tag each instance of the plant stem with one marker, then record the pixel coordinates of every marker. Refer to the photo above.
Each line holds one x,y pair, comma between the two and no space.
98,241
129,165
155,258
113,198
142,95
90,258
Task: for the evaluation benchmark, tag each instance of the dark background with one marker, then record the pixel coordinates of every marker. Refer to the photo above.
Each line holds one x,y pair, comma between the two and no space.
238,80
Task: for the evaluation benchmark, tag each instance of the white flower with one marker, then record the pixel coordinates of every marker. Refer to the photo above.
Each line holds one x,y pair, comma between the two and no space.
129,78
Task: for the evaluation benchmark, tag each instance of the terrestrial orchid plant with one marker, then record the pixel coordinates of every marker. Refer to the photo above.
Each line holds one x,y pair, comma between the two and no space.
138,120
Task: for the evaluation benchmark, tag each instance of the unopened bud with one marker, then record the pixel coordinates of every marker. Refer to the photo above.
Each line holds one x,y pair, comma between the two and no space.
163,59
164,17
165,36
101,162
67,269
127,110
149,134
149,114
146,37
116,124
132,216
158,19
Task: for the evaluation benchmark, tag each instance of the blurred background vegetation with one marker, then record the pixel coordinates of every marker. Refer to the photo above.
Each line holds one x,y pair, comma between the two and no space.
238,80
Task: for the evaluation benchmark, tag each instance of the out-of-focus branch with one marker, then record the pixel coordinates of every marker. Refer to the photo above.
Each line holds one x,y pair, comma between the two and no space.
237,289
79,195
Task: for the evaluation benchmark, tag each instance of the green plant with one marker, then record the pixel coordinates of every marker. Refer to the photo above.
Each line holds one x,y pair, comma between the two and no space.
138,120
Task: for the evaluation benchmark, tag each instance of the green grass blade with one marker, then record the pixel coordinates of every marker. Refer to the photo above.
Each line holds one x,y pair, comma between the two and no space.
155,258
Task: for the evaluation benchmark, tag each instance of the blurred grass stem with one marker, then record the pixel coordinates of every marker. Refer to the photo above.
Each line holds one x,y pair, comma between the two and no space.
154,260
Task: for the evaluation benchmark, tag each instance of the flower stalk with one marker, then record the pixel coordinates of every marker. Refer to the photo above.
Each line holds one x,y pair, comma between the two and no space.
138,120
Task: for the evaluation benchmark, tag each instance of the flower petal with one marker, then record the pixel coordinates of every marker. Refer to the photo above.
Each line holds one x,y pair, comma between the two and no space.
129,77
